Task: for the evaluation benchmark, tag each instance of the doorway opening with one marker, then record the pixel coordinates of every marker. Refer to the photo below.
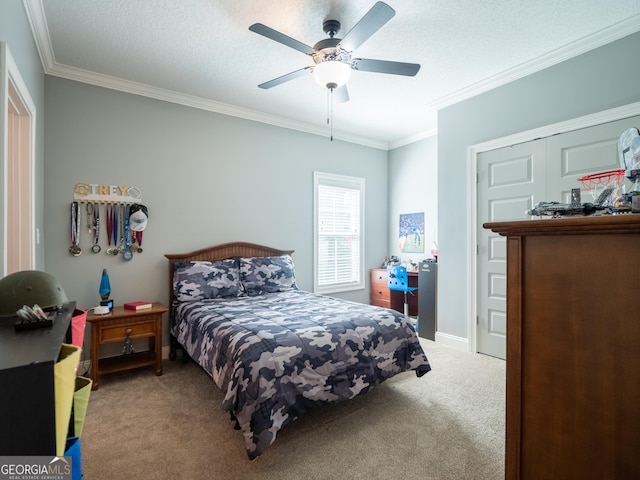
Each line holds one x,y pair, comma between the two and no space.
18,177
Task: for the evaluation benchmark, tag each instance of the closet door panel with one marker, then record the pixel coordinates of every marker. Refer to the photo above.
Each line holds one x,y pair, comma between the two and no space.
583,152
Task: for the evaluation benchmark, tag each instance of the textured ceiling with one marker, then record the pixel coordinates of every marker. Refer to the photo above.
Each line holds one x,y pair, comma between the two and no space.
201,53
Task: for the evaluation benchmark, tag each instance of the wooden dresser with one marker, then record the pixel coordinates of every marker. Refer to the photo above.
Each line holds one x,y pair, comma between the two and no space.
381,296
573,348
380,293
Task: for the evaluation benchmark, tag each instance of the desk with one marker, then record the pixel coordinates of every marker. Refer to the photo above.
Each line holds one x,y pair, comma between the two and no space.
381,296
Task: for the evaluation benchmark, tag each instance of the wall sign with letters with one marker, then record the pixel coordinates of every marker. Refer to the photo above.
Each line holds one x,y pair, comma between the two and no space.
103,193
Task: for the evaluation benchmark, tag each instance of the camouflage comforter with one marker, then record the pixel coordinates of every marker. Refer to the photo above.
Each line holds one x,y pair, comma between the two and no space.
275,356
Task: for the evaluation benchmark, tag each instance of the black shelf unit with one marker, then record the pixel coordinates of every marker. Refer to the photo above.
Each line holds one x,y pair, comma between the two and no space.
427,299
27,402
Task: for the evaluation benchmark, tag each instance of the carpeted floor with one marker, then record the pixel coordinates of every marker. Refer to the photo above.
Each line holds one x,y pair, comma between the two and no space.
449,424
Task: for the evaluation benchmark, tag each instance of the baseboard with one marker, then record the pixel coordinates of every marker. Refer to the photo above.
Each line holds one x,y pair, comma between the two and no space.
459,343
83,368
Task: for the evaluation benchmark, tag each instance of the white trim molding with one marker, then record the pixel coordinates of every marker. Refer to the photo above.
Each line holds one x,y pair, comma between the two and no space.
598,39
458,343
40,30
473,151
10,76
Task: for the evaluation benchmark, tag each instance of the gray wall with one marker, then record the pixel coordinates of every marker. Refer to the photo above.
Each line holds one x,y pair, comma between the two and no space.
254,182
413,188
205,178
16,33
604,78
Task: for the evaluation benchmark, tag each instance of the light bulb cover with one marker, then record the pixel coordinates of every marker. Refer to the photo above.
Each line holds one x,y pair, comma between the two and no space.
332,73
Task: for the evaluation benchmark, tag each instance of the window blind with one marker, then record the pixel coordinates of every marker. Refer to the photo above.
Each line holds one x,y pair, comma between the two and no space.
339,227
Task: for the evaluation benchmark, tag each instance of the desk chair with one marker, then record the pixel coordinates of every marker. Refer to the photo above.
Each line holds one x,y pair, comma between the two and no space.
399,280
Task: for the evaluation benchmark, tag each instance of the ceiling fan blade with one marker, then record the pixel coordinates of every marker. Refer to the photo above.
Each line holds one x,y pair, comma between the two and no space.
286,78
341,94
269,32
372,21
384,66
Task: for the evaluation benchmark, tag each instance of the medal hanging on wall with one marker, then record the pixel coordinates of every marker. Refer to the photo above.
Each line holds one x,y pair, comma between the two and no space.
115,214
75,249
112,214
138,218
127,254
90,216
121,228
108,213
95,227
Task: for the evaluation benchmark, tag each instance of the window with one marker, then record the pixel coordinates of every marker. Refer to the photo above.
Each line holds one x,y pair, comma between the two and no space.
338,233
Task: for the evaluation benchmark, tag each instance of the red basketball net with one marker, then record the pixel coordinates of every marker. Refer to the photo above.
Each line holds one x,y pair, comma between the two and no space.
597,182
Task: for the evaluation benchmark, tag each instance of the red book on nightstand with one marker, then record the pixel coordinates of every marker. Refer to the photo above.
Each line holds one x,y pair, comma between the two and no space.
137,305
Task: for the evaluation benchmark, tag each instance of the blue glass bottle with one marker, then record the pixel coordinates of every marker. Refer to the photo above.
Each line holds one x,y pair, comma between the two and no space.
105,286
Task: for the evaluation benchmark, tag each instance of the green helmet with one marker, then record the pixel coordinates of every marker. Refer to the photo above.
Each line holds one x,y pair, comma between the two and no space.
30,287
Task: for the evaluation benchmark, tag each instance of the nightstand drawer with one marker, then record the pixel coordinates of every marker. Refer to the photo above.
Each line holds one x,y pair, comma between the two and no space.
132,330
380,294
379,276
379,302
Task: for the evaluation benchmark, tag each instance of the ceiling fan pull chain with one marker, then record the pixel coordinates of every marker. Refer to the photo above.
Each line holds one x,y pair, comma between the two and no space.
330,111
328,106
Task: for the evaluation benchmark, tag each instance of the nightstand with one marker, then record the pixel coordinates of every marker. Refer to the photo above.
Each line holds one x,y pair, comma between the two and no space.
118,326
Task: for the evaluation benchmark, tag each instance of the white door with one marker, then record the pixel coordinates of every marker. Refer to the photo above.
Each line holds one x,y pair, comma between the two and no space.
509,182
17,180
513,179
20,183
575,154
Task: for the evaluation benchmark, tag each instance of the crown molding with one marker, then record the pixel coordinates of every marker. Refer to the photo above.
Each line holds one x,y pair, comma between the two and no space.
127,86
585,44
401,142
40,31
39,28
586,121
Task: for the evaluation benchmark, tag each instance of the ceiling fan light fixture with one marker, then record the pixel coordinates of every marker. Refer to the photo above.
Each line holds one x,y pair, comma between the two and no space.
332,73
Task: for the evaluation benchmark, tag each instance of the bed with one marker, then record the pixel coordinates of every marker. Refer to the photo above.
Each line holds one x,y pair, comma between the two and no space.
276,351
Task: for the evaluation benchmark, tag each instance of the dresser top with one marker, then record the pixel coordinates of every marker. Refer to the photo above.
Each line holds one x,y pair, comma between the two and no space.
41,345
595,224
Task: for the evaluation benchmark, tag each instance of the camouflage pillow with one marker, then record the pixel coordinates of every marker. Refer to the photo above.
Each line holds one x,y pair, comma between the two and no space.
267,274
205,280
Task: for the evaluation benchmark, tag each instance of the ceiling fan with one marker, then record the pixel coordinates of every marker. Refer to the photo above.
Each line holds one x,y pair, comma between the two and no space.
333,56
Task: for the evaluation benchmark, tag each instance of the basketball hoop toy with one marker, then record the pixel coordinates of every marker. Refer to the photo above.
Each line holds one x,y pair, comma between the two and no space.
603,186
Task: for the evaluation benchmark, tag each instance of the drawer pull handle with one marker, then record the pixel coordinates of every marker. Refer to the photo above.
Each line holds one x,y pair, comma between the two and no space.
127,332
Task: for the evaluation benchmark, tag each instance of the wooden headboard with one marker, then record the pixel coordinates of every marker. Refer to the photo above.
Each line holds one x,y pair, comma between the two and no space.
220,252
